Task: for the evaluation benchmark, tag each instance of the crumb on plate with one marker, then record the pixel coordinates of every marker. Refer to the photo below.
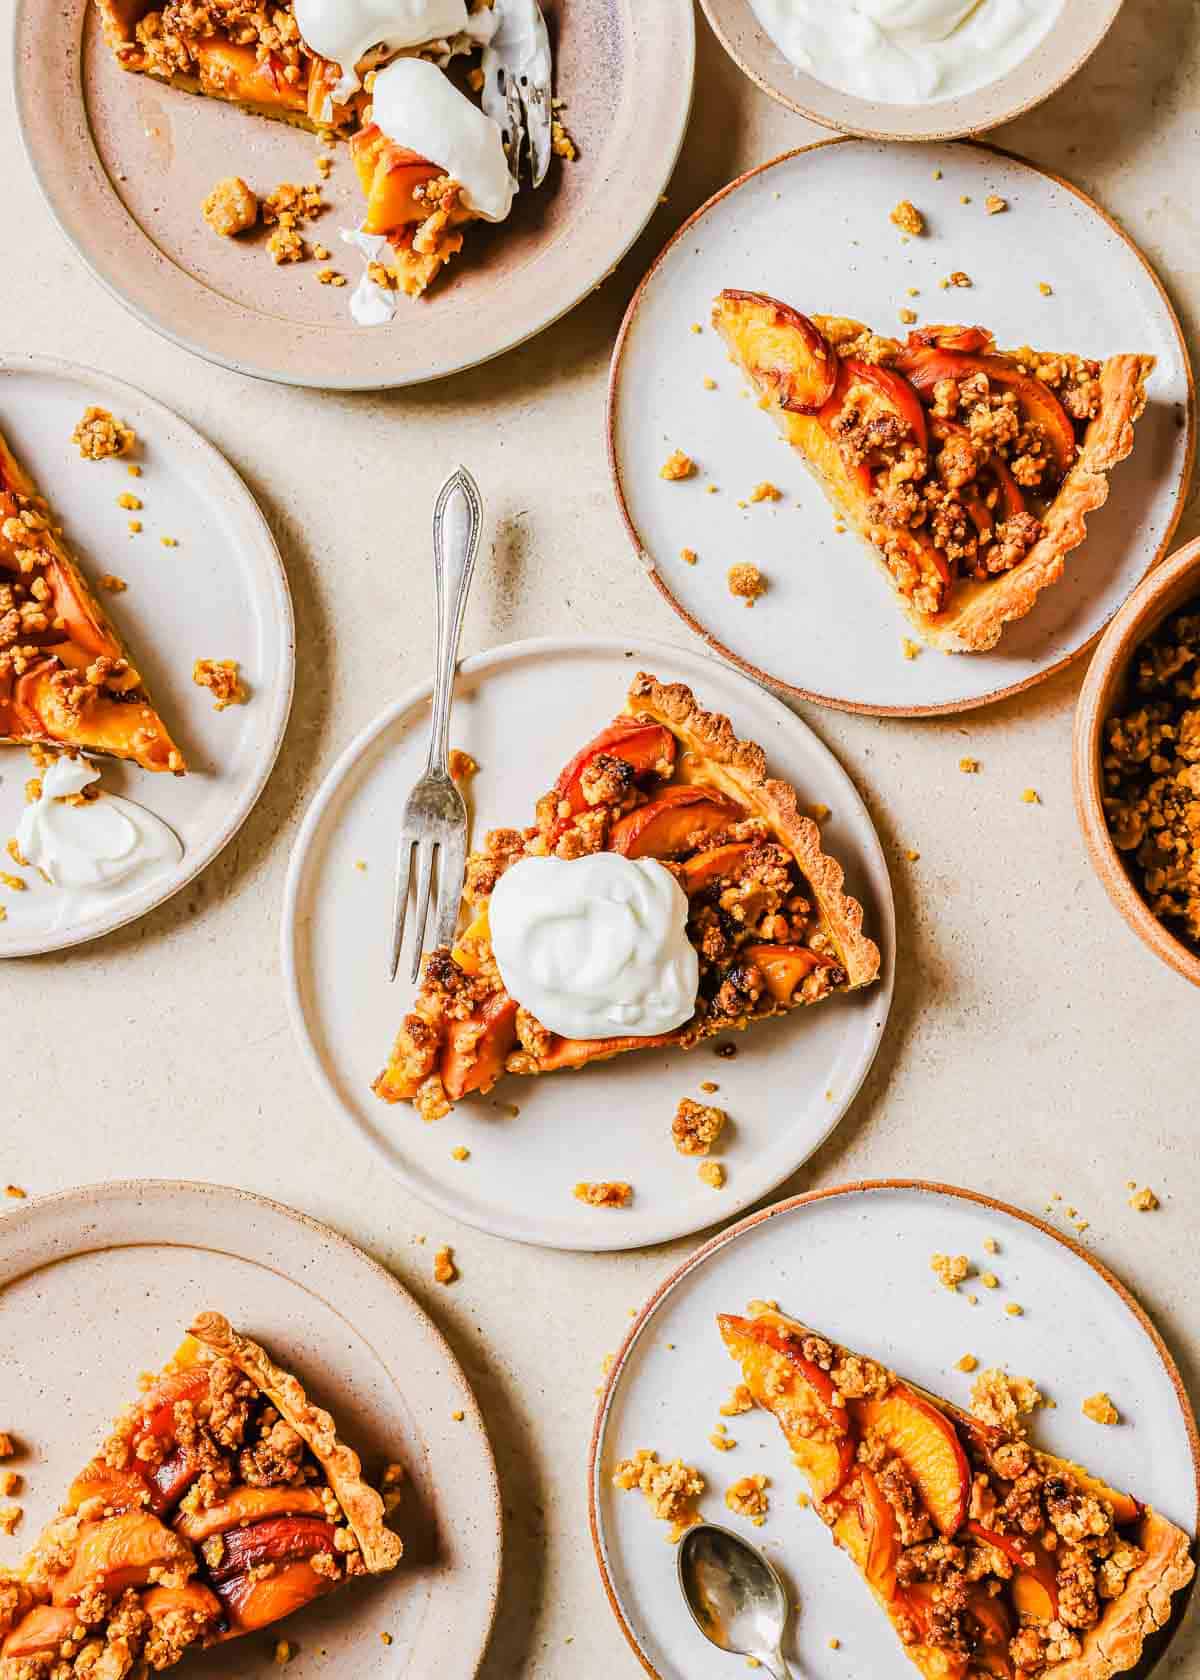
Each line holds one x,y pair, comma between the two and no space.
696,1126
444,1269
231,208
746,582
907,218
951,1269
671,1490
677,466
99,436
221,678
712,1173
1100,1409
1003,1401
606,1193
748,1497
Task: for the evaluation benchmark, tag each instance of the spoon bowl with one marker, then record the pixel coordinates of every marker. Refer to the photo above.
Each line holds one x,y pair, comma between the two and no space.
734,1595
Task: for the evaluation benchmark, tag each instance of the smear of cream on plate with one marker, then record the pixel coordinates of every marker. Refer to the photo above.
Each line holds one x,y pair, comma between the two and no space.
595,947
906,52
91,845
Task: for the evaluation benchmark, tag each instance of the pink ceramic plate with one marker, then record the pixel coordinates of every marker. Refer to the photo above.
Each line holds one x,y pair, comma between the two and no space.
100,1283
125,164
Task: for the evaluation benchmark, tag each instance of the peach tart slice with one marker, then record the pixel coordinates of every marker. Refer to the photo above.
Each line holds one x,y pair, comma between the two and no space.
66,678
222,1501
967,470
766,911
989,1557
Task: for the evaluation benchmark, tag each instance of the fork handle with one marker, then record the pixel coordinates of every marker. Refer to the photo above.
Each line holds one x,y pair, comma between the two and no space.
457,524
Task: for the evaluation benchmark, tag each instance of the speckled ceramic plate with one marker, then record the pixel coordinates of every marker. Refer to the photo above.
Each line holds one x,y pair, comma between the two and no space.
523,711
126,163
220,593
99,1284
1073,37
854,1263
812,229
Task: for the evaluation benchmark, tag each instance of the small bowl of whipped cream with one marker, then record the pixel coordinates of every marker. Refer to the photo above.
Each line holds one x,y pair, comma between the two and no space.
910,69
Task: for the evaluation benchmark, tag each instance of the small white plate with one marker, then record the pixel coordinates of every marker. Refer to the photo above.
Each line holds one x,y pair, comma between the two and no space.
853,1262
220,594
99,1284
812,229
523,711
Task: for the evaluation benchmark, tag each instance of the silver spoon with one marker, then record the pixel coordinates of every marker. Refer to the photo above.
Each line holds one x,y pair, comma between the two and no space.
736,1599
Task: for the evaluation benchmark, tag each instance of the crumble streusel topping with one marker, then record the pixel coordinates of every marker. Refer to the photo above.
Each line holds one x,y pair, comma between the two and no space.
605,1194
676,466
222,679
671,1490
696,1126
231,208
99,436
748,1497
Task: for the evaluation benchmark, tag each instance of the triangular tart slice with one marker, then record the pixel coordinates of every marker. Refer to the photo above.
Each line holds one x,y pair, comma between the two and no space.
767,914
222,1502
66,678
967,470
989,1557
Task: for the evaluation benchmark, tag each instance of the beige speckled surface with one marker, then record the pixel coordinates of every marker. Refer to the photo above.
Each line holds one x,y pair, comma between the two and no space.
1035,1044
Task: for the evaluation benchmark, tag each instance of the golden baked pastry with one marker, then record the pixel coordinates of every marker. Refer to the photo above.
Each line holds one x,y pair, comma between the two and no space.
969,471
222,1502
66,678
769,918
989,1557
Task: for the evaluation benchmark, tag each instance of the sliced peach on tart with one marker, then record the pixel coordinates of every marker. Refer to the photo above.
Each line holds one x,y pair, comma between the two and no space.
648,748
679,819
927,1444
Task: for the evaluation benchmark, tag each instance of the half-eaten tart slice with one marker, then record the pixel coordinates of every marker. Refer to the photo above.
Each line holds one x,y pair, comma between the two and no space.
222,1502
967,470
669,886
989,1557
66,678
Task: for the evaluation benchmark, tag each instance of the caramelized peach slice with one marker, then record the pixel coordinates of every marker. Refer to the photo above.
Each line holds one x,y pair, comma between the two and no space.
578,1052
466,951
277,1540
994,1629
799,1394
194,1599
950,338
719,863
473,1058
789,351
171,1480
159,1401
784,967
678,820
121,1490
895,393
880,1535
43,1629
648,747
231,71
927,1444
120,1552
249,1505
1035,1584
389,176
253,1601
926,365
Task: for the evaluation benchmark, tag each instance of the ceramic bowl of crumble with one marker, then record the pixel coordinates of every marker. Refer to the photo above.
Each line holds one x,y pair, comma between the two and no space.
1137,761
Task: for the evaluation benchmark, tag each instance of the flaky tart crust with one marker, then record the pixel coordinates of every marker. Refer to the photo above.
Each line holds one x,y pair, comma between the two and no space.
381,1549
222,1502
824,952
781,1358
977,608
71,681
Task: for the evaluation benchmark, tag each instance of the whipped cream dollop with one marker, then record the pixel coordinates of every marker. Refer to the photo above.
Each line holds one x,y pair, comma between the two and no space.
595,947
905,52
91,843
418,106
348,31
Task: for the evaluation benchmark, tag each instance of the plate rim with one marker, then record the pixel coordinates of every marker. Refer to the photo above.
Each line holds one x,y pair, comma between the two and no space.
851,1187
234,490
87,1239
64,208
645,560
478,664
965,128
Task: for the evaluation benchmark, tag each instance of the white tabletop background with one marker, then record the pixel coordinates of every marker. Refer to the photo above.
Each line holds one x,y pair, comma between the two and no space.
1035,1045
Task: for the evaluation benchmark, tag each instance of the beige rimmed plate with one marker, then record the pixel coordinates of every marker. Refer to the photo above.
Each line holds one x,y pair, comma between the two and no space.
853,1262
523,711
125,164
219,593
98,1284
1070,41
812,228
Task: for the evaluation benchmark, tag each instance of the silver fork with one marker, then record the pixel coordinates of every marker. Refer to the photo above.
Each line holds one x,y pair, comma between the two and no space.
434,825
517,74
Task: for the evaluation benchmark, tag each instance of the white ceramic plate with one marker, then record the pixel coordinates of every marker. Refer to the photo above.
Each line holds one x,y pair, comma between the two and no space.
854,1263
220,594
1072,38
118,1270
125,164
523,711
812,229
